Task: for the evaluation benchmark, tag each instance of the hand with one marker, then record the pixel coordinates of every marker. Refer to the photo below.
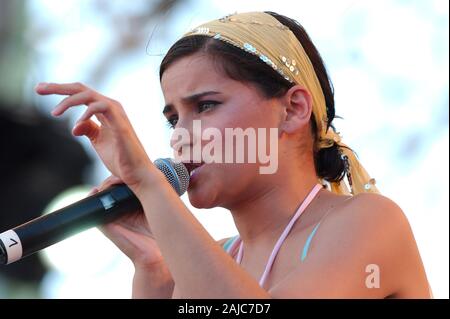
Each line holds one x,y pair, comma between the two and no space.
131,233
114,140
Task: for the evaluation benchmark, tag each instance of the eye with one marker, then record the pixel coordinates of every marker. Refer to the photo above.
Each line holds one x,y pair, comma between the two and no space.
172,121
206,105
202,107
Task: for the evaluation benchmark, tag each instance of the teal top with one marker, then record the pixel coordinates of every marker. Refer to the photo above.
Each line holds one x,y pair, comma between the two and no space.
230,241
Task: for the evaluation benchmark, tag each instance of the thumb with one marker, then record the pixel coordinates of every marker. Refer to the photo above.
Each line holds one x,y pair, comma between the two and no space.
93,191
87,128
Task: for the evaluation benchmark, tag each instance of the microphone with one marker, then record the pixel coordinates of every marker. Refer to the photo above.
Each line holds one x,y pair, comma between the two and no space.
100,208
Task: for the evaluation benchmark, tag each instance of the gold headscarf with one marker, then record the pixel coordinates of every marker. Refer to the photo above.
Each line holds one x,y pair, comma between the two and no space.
264,36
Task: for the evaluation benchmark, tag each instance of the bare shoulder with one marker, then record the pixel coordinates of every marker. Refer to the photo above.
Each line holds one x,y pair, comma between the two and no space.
363,220
370,210
381,236
369,225
369,231
380,203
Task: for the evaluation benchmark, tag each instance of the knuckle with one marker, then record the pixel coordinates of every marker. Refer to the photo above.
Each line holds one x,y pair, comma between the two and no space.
115,104
89,94
98,105
93,95
103,105
92,109
79,85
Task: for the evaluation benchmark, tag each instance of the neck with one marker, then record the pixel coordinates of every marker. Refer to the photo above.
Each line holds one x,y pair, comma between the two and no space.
264,215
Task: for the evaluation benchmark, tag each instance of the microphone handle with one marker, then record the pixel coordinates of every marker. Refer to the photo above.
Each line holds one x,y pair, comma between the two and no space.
44,231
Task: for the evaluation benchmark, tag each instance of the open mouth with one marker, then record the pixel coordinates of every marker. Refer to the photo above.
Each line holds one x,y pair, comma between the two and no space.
192,166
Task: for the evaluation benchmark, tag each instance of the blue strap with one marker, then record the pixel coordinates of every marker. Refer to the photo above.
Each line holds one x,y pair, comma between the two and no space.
310,237
229,242
308,242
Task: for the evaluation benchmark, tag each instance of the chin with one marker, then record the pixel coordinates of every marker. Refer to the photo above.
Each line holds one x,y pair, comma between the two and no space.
210,189
205,189
201,199
203,194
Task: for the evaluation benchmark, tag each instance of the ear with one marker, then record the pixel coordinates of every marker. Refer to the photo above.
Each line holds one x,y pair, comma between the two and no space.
297,109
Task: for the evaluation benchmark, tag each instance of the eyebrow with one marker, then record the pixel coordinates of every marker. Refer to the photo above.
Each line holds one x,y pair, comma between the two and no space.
189,100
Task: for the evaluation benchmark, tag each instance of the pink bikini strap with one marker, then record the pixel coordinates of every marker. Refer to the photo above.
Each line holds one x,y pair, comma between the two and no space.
283,236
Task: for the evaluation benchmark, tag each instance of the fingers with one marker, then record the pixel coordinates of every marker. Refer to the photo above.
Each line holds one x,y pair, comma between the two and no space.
93,191
131,243
101,106
94,108
79,94
119,236
82,98
112,180
86,128
61,89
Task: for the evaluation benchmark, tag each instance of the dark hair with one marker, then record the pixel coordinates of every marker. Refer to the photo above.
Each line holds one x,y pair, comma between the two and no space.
245,67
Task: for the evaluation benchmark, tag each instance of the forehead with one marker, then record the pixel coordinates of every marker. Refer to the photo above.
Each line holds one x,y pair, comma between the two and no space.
191,74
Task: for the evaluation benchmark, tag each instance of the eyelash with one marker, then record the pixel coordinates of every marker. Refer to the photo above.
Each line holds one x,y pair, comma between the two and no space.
171,120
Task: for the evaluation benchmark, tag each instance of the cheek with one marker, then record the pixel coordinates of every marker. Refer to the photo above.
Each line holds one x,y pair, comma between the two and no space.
240,110
237,134
223,182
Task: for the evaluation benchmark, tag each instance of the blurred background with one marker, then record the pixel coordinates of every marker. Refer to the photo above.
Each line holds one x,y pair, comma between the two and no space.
388,61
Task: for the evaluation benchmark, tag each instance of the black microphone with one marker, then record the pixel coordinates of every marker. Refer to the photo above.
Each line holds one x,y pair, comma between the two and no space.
100,208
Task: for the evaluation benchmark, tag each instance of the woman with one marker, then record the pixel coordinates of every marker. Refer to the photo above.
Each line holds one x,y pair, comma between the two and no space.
252,70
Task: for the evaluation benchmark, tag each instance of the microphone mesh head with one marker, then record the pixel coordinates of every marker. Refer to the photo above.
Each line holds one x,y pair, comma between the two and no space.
176,174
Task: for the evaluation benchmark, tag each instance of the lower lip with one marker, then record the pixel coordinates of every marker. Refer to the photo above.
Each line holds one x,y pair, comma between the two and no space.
194,176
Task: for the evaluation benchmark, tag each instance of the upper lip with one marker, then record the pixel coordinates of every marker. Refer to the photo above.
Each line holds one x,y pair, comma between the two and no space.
191,165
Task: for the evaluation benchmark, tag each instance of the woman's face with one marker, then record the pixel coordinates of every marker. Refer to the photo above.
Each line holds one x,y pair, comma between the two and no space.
195,89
